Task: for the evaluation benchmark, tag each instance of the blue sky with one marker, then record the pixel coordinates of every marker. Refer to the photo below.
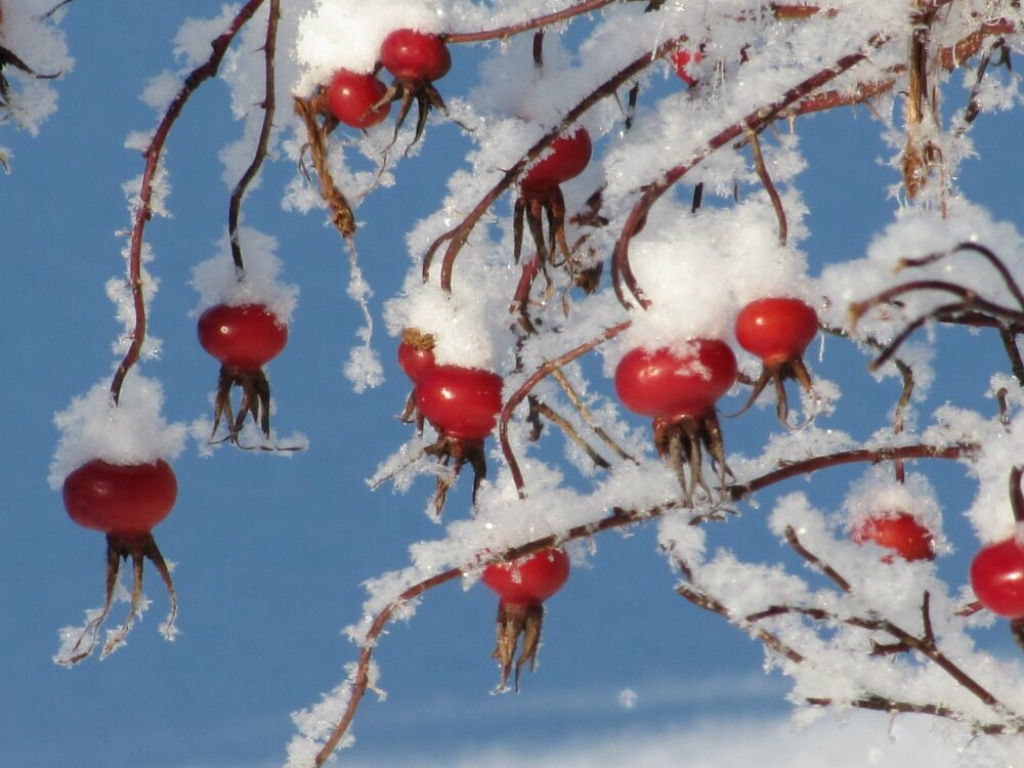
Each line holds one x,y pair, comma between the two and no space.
271,552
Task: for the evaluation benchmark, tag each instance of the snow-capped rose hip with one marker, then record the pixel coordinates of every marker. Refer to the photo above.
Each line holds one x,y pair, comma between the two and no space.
522,587
666,384
461,403
357,99
997,578
416,358
416,353
678,387
244,338
896,530
124,501
777,330
463,406
415,59
411,55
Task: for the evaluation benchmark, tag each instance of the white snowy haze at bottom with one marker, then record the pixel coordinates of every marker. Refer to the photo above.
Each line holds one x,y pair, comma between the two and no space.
860,740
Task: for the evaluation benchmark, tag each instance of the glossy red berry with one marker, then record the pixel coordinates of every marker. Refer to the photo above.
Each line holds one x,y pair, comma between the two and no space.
898,531
680,60
355,99
997,578
776,329
568,158
244,337
418,56
530,580
124,500
416,353
463,403
666,385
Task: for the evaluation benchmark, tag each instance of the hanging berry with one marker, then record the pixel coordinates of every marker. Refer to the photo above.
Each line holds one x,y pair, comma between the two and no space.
244,338
124,501
522,587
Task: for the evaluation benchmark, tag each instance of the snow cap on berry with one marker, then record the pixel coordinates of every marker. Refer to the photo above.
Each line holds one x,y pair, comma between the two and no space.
217,280
132,432
879,494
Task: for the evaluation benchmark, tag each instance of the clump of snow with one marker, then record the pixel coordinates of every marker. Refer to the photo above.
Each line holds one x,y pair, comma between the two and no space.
131,432
218,282
31,32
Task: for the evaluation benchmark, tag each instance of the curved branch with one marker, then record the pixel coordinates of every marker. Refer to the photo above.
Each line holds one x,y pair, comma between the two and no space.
535,378
618,518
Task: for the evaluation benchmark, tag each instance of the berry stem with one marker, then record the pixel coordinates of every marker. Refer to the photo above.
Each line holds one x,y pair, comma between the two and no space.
268,105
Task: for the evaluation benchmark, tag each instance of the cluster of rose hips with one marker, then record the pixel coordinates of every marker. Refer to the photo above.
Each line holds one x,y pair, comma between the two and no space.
462,404
127,501
678,387
415,60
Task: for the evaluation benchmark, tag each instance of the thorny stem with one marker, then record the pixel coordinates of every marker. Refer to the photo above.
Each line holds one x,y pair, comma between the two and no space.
536,377
143,210
269,105
1016,496
622,273
617,519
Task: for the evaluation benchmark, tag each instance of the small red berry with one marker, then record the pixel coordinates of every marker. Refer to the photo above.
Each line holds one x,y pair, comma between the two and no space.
243,337
898,531
124,500
997,578
416,353
568,158
776,329
529,580
665,385
417,56
355,99
462,403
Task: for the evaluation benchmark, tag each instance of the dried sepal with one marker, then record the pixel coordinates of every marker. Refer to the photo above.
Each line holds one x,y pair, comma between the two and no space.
515,621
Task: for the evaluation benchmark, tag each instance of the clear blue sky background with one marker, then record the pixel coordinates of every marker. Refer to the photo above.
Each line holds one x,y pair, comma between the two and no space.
271,552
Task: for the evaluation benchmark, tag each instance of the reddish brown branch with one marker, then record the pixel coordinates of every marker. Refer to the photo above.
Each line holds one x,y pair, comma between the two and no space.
269,105
143,209
503,33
